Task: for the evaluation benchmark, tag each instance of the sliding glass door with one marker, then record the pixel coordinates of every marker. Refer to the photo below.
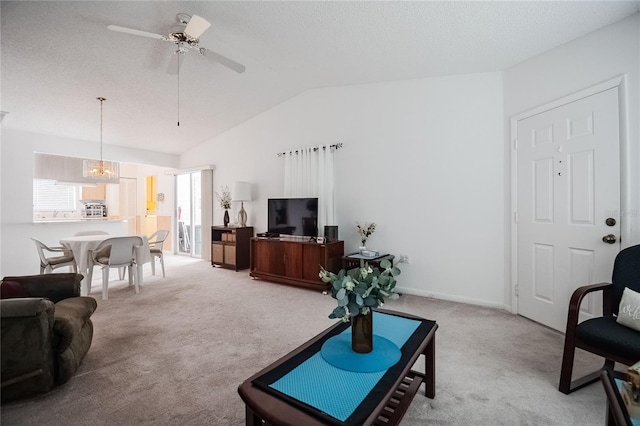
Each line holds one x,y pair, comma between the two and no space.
188,214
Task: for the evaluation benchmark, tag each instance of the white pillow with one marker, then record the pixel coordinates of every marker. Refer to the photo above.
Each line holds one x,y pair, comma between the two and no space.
629,311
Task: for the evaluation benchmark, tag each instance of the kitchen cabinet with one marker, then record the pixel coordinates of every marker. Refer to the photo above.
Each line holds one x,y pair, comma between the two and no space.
62,169
98,192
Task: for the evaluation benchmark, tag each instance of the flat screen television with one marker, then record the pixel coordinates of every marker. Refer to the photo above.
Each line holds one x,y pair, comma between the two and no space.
293,216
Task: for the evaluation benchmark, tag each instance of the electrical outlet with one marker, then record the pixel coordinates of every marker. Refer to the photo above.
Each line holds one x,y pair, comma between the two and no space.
403,258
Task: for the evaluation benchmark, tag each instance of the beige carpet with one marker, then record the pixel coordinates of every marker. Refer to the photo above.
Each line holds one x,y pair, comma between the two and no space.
176,353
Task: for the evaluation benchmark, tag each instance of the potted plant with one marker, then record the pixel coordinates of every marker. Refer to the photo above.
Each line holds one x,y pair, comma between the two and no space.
365,232
357,292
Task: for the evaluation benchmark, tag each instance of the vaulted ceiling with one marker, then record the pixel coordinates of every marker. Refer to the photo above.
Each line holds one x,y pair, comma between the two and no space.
58,57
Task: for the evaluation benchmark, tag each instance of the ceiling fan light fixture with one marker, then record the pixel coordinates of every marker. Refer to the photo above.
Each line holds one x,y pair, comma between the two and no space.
100,169
185,34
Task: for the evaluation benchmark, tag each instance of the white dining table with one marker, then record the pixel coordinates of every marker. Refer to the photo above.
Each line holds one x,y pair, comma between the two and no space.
82,245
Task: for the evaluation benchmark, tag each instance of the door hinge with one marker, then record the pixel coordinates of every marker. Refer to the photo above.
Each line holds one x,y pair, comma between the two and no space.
517,290
515,144
515,217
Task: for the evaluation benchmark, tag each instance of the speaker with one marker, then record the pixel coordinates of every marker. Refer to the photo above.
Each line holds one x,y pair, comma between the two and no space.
330,233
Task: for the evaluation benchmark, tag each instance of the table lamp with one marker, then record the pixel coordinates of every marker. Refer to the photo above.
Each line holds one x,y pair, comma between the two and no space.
242,193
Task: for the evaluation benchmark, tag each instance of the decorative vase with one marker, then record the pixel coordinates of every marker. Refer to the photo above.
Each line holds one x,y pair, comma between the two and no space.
363,246
362,333
226,218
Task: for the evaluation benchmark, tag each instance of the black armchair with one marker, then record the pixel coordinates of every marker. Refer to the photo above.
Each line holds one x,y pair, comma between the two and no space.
603,336
46,332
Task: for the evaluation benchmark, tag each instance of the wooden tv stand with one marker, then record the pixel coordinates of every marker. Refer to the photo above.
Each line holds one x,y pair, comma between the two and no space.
294,261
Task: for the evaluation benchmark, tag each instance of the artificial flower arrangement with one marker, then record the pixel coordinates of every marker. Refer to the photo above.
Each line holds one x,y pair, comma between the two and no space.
365,231
224,197
361,289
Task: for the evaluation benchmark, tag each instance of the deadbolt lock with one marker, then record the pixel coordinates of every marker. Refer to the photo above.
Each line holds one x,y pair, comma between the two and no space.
610,221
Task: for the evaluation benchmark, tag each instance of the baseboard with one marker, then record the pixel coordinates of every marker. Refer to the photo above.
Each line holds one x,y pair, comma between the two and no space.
452,298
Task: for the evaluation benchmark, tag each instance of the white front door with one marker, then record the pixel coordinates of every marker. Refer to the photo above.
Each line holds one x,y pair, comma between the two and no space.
568,192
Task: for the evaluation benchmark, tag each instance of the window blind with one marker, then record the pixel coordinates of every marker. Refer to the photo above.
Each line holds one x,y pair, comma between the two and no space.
48,195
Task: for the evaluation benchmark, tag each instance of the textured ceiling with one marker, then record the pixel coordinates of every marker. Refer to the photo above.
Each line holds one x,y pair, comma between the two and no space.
57,57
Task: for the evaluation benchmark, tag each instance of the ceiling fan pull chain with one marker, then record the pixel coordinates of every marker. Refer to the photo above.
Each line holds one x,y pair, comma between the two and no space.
178,53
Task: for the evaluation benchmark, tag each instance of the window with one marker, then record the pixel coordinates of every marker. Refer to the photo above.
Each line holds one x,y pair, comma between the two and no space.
49,195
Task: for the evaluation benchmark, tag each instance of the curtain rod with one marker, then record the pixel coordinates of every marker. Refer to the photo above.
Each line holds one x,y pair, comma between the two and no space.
335,146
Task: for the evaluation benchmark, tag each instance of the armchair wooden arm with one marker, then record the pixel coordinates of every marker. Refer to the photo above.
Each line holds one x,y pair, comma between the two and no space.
581,292
566,386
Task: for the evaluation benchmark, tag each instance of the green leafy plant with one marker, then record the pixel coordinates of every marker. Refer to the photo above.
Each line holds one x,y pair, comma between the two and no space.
224,197
361,289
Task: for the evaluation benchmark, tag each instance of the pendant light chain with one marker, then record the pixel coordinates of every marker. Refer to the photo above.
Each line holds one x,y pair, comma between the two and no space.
100,169
101,103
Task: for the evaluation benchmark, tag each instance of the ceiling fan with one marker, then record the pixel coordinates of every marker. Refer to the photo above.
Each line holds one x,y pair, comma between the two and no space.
185,35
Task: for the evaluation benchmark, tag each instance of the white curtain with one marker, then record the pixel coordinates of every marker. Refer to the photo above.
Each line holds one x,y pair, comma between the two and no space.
206,213
308,172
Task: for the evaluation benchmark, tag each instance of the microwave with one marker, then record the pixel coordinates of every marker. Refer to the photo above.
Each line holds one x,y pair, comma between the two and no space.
94,210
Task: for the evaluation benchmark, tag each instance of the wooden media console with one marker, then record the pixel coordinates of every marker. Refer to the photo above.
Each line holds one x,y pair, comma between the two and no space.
294,261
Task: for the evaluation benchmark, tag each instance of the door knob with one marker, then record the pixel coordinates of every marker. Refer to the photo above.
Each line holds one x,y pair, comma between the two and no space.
609,239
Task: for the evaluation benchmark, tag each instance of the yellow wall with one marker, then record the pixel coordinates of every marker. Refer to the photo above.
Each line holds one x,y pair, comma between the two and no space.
152,205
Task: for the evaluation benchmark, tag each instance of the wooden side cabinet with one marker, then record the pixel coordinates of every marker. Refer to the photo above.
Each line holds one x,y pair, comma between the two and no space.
230,247
294,262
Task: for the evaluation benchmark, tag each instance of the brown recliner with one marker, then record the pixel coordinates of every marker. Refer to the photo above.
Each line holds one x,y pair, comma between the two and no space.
46,332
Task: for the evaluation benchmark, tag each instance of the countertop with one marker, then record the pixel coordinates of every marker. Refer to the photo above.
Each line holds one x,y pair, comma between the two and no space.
78,219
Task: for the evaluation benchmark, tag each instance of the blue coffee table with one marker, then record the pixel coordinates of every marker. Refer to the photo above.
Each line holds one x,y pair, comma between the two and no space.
301,388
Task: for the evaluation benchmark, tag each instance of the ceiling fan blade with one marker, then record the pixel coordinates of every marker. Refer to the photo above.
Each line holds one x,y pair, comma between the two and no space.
135,32
175,63
216,57
196,26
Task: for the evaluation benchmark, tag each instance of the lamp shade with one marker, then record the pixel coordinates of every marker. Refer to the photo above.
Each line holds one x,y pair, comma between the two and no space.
100,169
241,191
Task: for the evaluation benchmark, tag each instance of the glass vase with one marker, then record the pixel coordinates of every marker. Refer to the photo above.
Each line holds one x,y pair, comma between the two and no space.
363,247
362,333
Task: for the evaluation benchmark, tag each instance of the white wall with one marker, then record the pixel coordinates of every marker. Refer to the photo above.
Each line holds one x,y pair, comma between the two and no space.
599,56
18,252
428,160
423,159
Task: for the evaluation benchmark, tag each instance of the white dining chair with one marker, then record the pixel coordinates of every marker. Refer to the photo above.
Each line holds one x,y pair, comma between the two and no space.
96,232
156,240
85,233
116,252
48,264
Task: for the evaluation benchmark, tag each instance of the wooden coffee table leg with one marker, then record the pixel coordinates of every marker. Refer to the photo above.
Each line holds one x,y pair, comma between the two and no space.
252,418
430,368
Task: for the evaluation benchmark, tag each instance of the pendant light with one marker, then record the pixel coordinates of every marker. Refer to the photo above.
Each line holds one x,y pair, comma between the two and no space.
101,169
